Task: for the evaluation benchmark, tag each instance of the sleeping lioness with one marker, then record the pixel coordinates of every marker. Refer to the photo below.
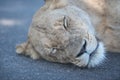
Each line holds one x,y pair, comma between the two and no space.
73,31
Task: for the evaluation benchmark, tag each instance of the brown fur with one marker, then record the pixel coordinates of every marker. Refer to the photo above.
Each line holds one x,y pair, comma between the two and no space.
61,27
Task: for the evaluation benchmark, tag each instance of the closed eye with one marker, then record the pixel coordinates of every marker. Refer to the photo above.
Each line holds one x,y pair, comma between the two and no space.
53,50
65,23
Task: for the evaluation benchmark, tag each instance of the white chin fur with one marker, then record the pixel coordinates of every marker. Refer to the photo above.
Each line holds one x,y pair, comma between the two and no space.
98,57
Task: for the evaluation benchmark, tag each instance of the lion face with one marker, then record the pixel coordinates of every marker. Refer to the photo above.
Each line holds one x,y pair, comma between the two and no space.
66,35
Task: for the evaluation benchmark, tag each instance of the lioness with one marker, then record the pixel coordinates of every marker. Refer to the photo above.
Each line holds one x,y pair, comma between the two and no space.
71,31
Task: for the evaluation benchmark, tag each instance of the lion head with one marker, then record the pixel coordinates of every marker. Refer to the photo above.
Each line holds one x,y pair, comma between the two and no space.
65,34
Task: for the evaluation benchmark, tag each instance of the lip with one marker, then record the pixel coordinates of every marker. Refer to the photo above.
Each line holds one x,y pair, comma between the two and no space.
93,53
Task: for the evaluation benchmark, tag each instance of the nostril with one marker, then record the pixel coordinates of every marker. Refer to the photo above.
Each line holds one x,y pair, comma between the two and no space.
83,49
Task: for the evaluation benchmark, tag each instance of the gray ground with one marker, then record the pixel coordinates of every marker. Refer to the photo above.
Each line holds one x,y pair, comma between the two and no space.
16,67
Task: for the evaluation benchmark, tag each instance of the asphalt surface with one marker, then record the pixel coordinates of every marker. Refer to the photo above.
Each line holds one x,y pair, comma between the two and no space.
16,67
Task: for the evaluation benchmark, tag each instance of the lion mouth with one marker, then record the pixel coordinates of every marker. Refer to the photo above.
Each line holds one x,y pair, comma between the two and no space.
83,49
92,55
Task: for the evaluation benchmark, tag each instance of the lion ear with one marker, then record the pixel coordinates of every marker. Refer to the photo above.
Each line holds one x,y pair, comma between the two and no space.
55,4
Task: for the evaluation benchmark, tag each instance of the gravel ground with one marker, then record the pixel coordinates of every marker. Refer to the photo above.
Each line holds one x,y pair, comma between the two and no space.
16,67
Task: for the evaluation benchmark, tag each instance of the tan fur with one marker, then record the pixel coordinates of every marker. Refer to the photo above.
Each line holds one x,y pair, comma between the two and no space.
61,27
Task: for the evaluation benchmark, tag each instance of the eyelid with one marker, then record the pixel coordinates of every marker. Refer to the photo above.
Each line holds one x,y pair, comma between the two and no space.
65,23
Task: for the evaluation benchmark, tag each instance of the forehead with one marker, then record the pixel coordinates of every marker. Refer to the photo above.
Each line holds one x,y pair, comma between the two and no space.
70,11
79,17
